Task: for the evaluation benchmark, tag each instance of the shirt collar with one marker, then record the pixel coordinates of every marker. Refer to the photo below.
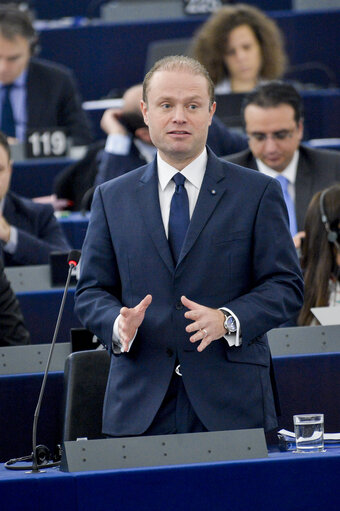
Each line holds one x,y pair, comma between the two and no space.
194,172
289,172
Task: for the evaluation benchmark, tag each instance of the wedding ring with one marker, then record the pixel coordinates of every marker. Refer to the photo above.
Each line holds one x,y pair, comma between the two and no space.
205,332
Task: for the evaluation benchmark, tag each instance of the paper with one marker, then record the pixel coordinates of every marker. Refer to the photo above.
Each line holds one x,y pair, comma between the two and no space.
329,437
327,315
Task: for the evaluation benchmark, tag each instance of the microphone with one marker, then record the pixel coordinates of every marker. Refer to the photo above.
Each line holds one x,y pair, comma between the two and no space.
39,453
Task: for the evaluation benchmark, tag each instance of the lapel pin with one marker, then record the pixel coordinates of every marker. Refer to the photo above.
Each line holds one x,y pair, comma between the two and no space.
213,192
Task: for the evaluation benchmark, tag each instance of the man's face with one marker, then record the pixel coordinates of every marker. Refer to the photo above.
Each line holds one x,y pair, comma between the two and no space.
178,115
5,172
273,134
14,56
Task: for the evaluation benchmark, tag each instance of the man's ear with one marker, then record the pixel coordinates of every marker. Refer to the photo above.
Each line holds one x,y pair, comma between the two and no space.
144,110
144,135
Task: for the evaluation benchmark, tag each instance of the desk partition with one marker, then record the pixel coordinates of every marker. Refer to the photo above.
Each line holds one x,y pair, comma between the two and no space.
103,50
34,178
40,310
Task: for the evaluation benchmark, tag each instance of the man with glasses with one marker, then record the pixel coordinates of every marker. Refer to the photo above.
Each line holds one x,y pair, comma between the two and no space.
273,118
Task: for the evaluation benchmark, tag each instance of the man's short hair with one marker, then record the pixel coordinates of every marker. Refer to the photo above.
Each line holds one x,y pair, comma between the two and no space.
15,22
4,143
274,94
179,63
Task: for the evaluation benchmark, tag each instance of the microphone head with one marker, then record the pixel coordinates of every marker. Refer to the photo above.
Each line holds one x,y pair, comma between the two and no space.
73,257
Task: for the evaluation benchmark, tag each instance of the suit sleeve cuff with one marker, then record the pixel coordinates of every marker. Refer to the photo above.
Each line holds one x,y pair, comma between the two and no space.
12,244
234,339
118,144
117,347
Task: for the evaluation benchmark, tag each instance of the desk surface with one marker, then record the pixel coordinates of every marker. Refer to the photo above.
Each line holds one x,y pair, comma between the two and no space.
282,481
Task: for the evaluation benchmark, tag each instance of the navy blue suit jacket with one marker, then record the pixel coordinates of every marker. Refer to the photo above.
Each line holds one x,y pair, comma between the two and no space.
53,100
238,253
39,232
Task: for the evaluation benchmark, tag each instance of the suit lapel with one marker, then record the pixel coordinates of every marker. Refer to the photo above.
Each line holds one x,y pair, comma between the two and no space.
148,199
303,189
213,188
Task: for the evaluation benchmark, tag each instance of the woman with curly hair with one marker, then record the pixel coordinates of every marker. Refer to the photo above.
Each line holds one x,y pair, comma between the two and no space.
240,47
321,253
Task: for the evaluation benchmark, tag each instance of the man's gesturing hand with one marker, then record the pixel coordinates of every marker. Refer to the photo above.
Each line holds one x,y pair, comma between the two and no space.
130,320
208,324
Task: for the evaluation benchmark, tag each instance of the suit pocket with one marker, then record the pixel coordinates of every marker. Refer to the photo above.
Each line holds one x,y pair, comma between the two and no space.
230,236
256,352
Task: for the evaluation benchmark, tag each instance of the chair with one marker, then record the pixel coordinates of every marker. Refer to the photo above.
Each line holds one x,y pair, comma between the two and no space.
85,378
163,48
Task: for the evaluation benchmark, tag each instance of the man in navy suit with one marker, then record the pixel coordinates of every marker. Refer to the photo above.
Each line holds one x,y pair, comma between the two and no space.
186,325
28,231
40,94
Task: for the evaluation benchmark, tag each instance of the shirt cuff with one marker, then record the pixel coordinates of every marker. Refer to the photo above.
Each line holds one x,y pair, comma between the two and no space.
12,244
116,343
234,339
118,144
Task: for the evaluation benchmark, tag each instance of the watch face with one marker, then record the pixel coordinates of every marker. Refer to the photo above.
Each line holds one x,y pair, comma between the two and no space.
231,324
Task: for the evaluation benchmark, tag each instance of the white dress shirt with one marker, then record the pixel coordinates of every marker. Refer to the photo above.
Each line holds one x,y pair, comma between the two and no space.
194,174
289,172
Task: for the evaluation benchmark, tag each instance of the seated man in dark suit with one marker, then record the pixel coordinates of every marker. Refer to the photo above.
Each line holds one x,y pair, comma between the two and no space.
12,328
28,231
273,118
34,94
129,146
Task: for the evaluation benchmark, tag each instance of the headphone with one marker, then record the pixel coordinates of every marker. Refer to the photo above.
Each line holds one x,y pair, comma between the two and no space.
44,459
333,235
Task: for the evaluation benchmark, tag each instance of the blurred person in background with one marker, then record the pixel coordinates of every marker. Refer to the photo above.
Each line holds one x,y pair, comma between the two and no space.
321,253
35,93
12,329
273,119
28,231
240,47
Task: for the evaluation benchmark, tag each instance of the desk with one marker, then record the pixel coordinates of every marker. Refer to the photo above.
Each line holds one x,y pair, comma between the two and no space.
305,384
284,481
103,50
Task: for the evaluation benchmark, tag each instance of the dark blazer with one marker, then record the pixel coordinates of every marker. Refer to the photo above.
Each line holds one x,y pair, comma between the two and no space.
317,169
53,100
39,232
220,140
12,328
232,256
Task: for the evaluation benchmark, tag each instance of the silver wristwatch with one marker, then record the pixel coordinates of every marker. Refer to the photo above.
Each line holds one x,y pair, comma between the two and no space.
229,323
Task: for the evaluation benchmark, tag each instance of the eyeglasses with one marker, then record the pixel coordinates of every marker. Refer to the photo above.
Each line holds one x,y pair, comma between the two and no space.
276,135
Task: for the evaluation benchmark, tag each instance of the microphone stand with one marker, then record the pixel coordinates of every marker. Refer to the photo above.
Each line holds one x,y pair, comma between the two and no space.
35,467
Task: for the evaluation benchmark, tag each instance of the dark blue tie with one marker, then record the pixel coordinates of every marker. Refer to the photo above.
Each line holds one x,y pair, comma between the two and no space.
179,216
7,117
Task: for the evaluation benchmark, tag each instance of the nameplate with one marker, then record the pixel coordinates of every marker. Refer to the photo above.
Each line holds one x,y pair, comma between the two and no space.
304,339
46,143
32,358
149,451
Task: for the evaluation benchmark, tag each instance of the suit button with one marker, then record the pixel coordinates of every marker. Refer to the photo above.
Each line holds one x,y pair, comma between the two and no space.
169,352
179,306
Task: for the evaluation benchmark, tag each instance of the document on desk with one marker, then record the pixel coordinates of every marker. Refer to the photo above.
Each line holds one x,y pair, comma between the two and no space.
327,315
328,437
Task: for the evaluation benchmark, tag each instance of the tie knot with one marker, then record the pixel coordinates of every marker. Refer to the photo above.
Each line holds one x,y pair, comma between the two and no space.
283,182
179,179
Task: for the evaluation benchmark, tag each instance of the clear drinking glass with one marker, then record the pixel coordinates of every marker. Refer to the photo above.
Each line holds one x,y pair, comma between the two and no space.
309,429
